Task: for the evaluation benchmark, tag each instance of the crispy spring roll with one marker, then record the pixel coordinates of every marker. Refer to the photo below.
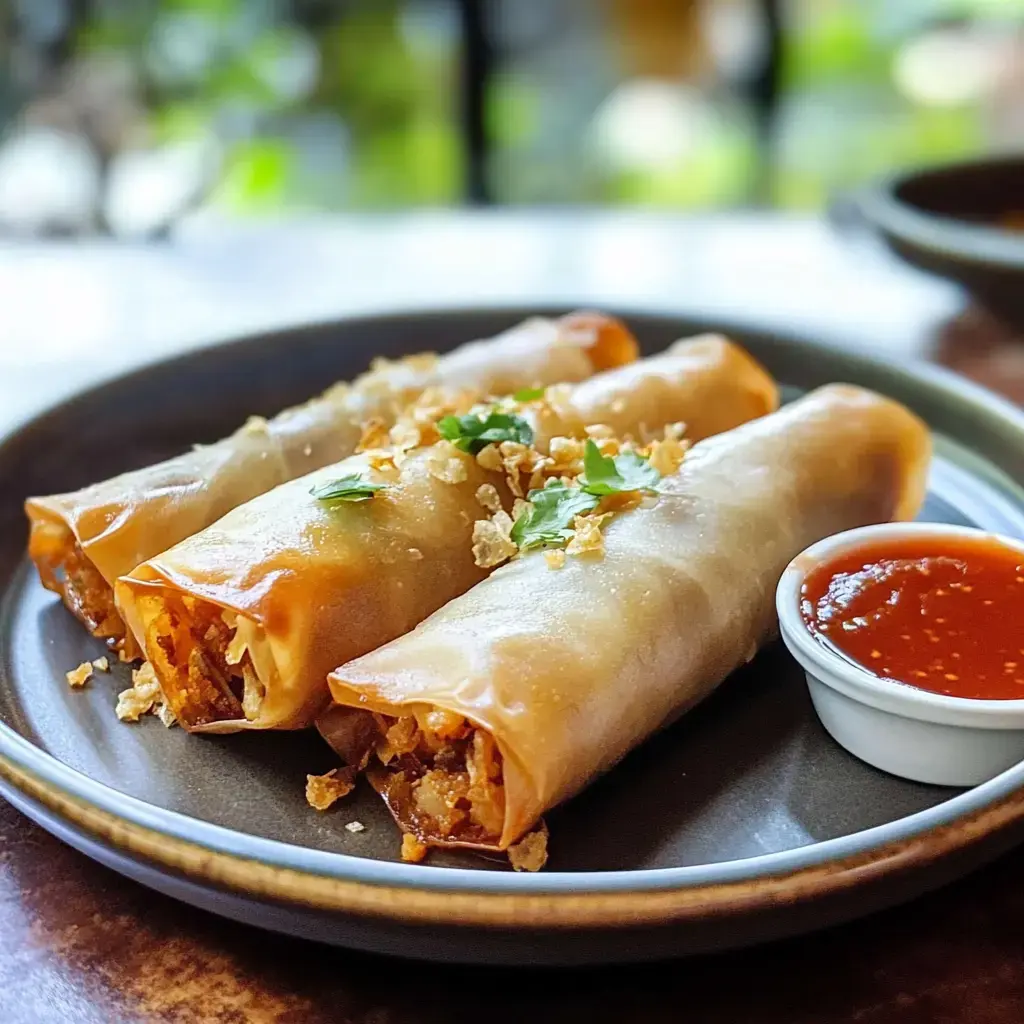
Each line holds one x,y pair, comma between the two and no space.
243,621
83,541
514,696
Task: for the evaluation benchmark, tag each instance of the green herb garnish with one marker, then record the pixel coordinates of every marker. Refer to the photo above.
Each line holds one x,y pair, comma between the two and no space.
473,433
554,508
603,474
529,394
347,488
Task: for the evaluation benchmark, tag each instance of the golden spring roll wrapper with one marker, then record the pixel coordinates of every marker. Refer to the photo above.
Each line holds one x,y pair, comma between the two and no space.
570,668
321,584
313,579
121,522
712,382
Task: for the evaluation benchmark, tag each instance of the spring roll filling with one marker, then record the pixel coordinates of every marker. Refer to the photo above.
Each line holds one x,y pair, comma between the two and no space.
67,570
197,645
440,776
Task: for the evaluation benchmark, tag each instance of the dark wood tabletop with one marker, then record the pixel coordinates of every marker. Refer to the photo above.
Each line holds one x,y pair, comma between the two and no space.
81,944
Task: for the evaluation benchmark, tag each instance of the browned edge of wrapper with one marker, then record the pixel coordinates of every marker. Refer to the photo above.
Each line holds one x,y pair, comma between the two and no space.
52,542
479,908
614,344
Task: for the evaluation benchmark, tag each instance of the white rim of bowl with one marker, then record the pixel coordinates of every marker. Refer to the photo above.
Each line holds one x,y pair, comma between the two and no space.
849,678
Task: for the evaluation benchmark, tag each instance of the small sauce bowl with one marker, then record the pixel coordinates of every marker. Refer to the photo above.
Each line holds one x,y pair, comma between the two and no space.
915,733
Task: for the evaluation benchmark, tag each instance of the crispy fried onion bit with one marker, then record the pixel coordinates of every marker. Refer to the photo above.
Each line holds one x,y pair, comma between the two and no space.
440,776
526,469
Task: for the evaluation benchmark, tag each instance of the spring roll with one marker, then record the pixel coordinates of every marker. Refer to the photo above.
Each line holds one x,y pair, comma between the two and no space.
243,621
513,697
81,542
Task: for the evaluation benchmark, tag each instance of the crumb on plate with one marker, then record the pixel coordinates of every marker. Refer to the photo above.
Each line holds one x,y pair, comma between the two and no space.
413,851
143,697
322,791
531,852
78,677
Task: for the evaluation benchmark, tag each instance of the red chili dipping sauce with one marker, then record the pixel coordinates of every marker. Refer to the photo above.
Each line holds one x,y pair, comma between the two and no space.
941,614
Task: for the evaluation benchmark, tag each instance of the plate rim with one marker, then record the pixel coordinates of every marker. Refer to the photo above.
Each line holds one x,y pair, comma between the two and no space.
440,895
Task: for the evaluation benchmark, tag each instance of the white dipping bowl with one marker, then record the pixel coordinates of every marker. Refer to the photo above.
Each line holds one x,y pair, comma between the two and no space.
924,736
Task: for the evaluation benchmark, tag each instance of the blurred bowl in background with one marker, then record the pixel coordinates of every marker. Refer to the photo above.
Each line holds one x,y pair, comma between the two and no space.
964,222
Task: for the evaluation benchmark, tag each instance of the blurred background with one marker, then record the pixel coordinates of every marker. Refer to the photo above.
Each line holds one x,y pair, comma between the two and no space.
120,117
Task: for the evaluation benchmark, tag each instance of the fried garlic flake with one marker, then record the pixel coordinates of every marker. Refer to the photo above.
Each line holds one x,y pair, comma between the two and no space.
531,852
101,664
322,791
666,455
566,454
516,458
487,497
555,559
144,696
492,543
79,676
587,538
489,458
444,462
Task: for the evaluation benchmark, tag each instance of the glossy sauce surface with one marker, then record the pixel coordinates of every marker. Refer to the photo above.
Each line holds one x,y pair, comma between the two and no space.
941,614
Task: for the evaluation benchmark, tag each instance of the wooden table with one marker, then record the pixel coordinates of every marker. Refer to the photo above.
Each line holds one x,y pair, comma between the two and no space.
80,944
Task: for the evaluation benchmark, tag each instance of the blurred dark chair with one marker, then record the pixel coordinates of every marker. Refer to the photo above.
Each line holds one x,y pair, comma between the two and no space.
478,60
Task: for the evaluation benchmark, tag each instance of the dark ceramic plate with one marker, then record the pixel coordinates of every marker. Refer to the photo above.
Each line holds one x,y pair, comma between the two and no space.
950,221
741,823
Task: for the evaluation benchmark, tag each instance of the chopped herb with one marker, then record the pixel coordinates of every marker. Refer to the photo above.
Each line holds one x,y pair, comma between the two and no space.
554,508
473,433
528,394
625,472
347,488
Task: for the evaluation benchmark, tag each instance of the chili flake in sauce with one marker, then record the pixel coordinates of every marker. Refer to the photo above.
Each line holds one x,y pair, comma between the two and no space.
941,614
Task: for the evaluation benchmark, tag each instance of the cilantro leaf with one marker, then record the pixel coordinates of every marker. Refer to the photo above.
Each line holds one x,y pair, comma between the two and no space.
529,394
610,475
548,522
347,488
473,433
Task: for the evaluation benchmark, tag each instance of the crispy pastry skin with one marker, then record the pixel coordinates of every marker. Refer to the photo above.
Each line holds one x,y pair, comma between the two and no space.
564,671
309,586
83,541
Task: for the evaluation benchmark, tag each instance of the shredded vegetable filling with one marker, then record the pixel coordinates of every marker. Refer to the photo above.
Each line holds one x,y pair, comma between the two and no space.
190,642
440,776
70,573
